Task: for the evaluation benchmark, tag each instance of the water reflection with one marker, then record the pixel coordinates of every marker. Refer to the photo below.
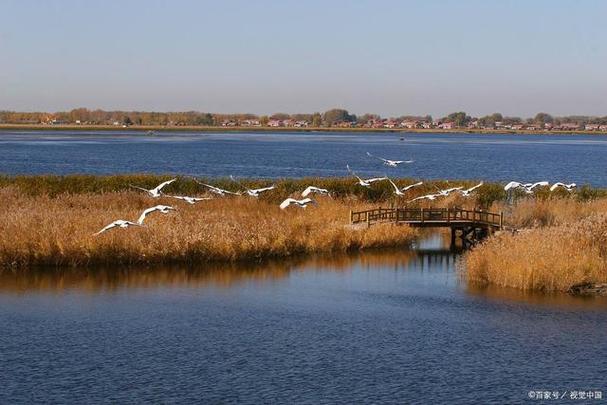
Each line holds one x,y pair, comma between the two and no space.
502,294
429,257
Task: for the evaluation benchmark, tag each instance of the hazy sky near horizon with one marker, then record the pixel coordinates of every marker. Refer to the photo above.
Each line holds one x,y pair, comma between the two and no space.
389,57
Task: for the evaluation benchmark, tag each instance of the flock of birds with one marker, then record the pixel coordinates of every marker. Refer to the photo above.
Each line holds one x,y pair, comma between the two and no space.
306,200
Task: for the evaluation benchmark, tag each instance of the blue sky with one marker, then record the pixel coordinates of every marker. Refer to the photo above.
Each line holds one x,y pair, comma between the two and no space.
387,57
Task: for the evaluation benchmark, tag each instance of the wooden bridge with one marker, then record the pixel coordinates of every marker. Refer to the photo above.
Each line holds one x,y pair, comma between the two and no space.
472,225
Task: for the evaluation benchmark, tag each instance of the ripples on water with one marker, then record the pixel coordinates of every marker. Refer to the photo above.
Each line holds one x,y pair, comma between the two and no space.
375,327
569,158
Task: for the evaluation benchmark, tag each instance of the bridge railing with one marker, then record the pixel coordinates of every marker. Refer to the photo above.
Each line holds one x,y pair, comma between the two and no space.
426,215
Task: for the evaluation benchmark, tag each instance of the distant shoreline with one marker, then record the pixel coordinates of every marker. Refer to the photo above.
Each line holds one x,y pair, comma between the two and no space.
221,129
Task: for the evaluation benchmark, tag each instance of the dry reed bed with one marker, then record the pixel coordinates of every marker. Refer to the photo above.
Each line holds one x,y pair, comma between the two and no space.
546,259
58,231
534,213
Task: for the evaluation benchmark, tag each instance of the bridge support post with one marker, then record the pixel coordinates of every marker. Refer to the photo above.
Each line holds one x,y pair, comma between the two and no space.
452,236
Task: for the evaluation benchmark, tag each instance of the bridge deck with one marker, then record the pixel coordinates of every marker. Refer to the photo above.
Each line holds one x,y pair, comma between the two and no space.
430,217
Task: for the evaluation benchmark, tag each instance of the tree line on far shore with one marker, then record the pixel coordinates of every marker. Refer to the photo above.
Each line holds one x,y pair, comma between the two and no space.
330,118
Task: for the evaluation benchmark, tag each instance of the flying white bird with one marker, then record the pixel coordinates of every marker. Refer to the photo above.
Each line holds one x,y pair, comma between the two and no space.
388,162
119,223
397,191
253,192
531,186
448,191
528,187
155,192
568,187
410,186
466,193
164,209
430,197
367,182
300,203
190,200
217,190
513,185
317,190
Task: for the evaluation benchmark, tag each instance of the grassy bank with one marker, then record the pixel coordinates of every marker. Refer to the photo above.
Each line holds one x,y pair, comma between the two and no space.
32,127
41,230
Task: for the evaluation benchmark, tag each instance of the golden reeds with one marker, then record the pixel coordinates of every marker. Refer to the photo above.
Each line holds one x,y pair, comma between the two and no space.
547,259
58,231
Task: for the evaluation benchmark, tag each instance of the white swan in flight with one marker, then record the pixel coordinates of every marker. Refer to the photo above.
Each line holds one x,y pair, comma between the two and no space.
164,209
255,192
188,199
531,186
568,187
528,187
155,192
300,203
410,186
367,182
316,190
447,191
402,191
217,190
466,193
119,223
388,162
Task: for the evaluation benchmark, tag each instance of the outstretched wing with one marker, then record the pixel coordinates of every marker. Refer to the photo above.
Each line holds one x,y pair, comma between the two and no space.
287,202
145,213
261,190
471,189
107,227
393,185
161,185
353,173
539,184
511,185
410,186
139,188
375,179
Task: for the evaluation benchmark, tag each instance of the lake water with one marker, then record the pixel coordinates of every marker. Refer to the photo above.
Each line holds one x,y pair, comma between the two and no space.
391,327
570,158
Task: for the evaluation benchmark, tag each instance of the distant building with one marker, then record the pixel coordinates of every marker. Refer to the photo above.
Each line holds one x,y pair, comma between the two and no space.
251,123
569,126
275,123
446,125
592,127
390,124
410,124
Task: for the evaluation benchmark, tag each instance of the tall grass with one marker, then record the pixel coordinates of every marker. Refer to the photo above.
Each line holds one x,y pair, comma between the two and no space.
543,212
547,259
42,230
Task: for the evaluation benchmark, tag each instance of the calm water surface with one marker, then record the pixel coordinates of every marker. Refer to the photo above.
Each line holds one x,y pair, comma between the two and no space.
573,158
392,327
